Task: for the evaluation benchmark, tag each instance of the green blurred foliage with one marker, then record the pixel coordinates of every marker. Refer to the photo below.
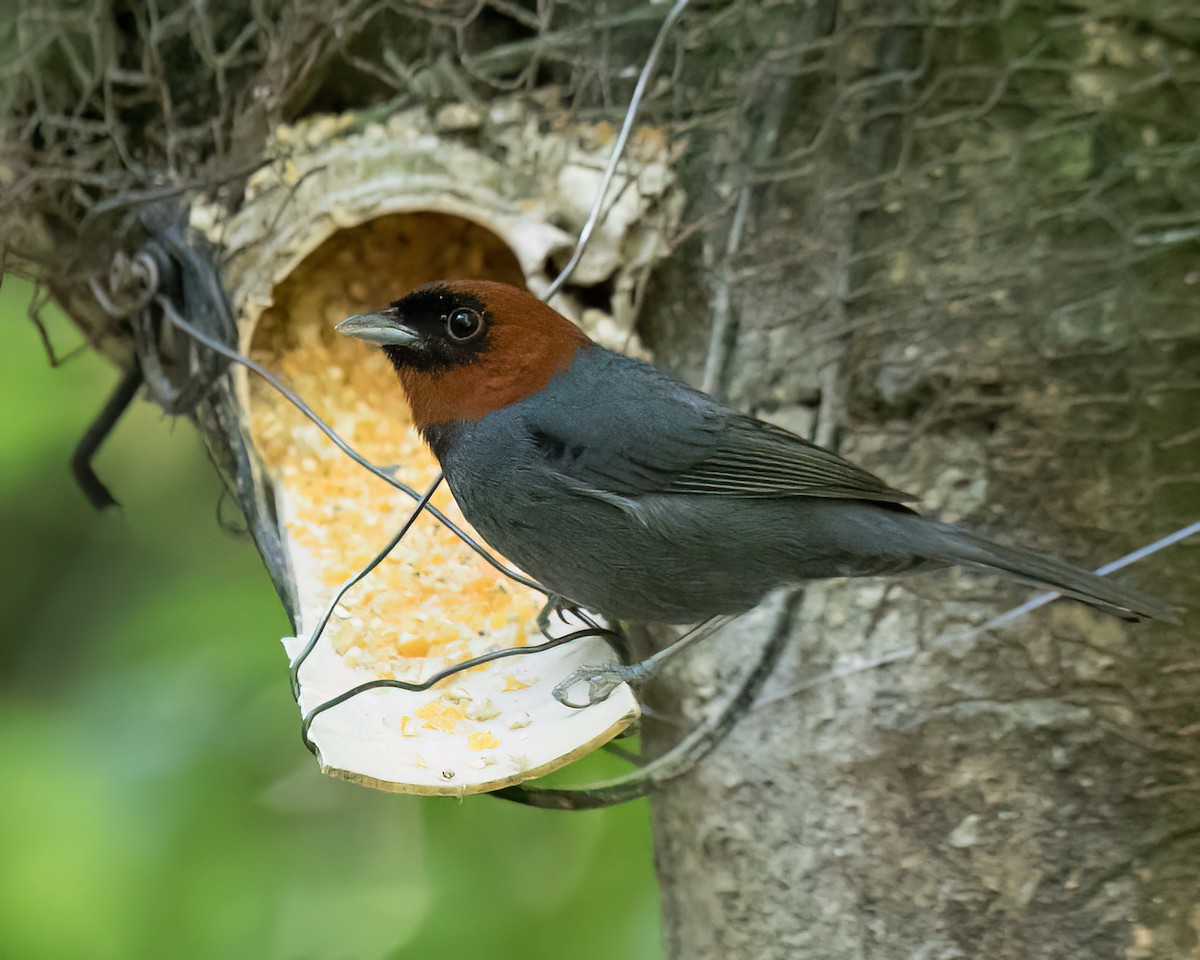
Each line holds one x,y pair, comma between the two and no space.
156,800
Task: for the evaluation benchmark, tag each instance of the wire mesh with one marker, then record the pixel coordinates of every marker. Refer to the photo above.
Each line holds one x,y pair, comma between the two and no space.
825,151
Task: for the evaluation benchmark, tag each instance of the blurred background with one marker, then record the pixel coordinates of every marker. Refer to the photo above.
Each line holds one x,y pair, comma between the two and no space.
156,800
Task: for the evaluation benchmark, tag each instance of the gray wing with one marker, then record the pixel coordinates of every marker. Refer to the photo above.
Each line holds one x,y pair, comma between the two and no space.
660,436
756,459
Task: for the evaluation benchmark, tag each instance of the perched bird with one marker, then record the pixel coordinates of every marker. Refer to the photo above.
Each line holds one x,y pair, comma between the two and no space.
630,494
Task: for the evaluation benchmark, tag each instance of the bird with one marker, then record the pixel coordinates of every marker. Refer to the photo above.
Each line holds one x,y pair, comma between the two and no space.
633,495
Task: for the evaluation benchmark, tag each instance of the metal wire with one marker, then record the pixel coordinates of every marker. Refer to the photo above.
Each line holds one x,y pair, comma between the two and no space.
577,254
150,282
73,164
592,630
1000,620
304,408
298,660
681,757
417,687
610,170
1120,563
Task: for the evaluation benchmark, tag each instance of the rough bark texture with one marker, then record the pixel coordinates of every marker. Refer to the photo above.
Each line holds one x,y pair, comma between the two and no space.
992,312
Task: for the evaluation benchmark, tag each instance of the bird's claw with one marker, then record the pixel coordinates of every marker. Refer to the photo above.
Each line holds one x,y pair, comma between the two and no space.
601,682
559,606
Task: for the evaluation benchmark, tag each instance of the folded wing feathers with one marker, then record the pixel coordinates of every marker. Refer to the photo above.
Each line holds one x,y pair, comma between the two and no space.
755,459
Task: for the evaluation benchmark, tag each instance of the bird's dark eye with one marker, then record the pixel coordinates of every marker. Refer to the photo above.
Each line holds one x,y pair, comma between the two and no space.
463,324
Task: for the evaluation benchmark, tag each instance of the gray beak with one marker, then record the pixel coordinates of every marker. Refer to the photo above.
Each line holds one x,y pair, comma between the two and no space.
383,327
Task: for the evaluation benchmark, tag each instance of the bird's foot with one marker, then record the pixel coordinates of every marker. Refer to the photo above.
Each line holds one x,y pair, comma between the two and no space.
601,682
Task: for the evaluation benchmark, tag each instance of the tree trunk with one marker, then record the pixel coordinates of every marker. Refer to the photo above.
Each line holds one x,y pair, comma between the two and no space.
966,261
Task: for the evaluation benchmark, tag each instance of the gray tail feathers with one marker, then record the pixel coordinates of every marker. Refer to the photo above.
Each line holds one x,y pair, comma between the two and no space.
968,550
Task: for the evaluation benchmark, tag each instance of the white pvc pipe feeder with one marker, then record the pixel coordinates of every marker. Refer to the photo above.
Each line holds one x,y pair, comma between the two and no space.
353,215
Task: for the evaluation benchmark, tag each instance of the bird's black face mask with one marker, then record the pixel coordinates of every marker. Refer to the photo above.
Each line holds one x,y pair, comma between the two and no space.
432,329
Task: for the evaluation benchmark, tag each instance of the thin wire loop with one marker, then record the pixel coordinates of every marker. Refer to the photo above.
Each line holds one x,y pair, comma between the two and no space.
580,247
681,757
593,629
423,503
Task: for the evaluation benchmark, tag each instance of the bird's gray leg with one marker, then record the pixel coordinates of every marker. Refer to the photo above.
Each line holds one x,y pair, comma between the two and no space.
602,681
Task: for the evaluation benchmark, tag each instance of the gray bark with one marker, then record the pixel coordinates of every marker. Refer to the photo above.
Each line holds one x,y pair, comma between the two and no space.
995,312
